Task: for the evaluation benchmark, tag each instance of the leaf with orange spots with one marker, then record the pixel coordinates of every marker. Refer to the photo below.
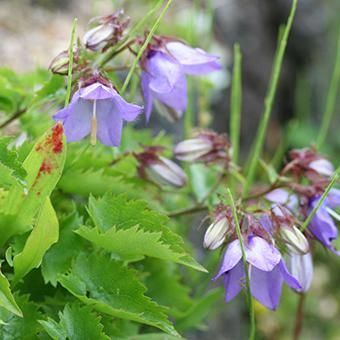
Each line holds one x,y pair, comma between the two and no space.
44,166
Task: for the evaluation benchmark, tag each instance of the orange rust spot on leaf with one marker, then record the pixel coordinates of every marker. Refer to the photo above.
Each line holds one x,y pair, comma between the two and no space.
53,141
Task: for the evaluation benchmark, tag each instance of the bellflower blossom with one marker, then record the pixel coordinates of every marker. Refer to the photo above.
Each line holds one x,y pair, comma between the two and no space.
267,271
96,109
165,67
322,224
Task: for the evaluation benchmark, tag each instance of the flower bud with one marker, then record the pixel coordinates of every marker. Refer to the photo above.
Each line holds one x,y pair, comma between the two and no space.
165,171
295,240
322,167
206,147
216,233
97,38
301,267
59,65
191,149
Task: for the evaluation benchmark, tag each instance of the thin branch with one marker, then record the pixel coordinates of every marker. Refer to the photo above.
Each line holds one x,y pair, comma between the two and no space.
15,116
299,317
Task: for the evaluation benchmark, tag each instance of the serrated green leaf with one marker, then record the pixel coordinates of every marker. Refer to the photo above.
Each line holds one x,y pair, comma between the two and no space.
11,168
152,336
117,211
44,234
111,288
7,300
44,166
59,257
131,244
76,323
23,328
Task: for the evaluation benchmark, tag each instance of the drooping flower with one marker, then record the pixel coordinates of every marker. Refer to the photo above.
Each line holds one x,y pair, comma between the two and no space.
322,224
301,267
165,66
267,271
99,110
207,147
158,169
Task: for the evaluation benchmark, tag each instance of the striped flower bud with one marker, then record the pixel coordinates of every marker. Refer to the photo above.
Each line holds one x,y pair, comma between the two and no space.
295,240
59,65
301,267
216,233
322,167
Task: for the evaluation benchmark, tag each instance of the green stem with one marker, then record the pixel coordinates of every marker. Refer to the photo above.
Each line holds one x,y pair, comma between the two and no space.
70,63
235,104
144,46
261,132
239,236
331,99
323,197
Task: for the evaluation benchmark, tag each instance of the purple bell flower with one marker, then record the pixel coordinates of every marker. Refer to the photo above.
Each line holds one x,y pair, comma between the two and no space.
164,70
98,110
322,224
267,271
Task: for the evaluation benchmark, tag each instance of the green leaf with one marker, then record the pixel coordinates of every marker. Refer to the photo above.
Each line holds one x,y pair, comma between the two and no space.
10,166
152,336
59,257
117,211
111,288
44,166
23,328
44,234
76,323
6,298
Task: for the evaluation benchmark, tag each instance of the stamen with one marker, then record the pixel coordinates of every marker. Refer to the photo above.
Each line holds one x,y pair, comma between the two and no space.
94,124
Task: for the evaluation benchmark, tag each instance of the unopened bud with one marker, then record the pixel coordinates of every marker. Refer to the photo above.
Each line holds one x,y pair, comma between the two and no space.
59,65
165,171
295,240
301,267
97,38
216,234
192,149
322,167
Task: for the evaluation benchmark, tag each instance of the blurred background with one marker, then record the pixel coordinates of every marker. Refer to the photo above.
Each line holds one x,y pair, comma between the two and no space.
32,32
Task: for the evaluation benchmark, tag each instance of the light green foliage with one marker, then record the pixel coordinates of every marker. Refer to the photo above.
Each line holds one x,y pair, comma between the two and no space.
116,211
7,300
111,288
59,257
44,234
76,323
23,328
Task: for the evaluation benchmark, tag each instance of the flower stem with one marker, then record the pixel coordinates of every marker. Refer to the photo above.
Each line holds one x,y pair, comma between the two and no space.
323,197
331,98
144,46
239,236
299,317
261,132
70,63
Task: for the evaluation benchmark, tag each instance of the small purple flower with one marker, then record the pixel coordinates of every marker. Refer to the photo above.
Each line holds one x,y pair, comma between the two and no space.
98,110
164,70
322,224
267,271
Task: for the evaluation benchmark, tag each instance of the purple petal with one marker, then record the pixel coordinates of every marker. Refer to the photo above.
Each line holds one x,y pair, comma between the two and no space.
261,254
145,80
266,286
76,119
290,280
176,98
282,196
109,123
96,91
322,166
234,281
333,198
266,223
232,257
127,111
193,60
164,72
301,267
323,228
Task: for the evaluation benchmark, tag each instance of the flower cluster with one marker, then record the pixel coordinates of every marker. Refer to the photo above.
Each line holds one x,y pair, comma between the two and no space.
97,107
276,250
